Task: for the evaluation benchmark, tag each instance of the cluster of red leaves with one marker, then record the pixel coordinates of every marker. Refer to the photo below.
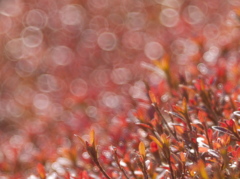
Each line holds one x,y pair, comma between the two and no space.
196,136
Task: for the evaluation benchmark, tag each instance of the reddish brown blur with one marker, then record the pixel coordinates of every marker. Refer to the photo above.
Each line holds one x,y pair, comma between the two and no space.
68,66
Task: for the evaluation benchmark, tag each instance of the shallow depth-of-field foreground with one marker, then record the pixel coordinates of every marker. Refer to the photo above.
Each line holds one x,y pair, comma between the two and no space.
120,89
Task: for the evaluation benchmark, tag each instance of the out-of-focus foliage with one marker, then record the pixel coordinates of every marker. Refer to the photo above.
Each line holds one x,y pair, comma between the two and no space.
157,79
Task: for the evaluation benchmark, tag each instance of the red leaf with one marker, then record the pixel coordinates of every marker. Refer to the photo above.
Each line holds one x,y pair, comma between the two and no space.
41,171
202,116
222,129
153,147
202,149
210,134
145,125
175,114
179,129
177,109
230,123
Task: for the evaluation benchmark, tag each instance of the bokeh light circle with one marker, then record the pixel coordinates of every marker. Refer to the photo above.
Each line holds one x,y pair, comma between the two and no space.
169,17
36,18
32,36
78,87
107,41
153,50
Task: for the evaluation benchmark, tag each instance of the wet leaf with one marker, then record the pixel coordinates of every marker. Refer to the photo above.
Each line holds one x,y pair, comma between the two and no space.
222,129
202,170
231,125
145,125
177,109
153,147
182,156
165,140
202,149
179,129
176,115
163,63
156,141
152,97
198,126
41,171
142,149
213,153
210,134
202,116
92,138
140,114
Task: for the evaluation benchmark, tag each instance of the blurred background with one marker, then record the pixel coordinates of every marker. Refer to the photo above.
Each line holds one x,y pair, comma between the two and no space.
70,65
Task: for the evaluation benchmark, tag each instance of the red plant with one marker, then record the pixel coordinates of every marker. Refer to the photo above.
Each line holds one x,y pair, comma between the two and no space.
157,81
